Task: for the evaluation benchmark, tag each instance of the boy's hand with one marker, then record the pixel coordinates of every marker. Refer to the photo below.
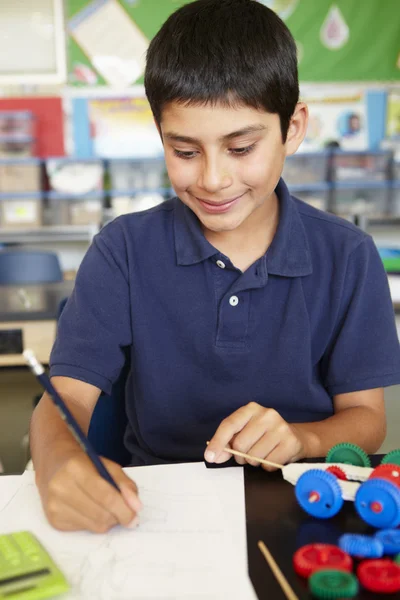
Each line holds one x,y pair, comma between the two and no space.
258,431
75,497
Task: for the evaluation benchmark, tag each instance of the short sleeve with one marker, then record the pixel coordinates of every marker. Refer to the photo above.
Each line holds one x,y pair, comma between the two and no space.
365,351
94,328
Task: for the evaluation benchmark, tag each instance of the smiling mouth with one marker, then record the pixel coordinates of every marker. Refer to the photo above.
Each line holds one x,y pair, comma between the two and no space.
225,202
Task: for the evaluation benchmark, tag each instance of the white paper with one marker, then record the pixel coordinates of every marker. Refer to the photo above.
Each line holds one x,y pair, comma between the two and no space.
9,486
190,544
111,39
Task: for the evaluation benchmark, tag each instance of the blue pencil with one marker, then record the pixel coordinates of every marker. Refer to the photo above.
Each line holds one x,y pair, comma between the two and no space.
67,416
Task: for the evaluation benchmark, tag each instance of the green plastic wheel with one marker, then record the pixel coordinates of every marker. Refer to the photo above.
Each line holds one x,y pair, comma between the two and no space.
391,458
397,559
332,583
348,454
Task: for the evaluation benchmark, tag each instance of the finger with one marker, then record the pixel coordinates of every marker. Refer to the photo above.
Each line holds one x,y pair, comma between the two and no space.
228,428
283,453
128,487
264,447
73,510
112,501
104,494
246,440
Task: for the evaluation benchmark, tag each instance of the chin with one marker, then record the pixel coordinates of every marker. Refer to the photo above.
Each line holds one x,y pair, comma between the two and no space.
219,225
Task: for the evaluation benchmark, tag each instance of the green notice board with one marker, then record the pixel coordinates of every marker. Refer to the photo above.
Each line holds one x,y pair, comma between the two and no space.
148,15
372,49
338,40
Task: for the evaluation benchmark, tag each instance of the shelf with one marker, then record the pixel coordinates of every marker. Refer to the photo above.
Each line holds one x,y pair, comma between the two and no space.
389,220
52,195
53,234
361,184
309,187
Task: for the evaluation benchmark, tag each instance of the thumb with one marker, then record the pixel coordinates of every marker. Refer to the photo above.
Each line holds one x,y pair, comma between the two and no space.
127,486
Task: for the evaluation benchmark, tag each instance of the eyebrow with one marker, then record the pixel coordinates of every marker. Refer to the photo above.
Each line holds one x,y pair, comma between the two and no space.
176,137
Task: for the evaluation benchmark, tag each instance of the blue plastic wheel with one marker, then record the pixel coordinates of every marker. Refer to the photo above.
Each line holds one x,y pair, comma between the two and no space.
361,546
390,539
319,493
378,503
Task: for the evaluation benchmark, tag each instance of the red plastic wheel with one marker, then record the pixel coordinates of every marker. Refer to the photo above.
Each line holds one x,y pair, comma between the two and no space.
313,557
381,575
388,472
340,474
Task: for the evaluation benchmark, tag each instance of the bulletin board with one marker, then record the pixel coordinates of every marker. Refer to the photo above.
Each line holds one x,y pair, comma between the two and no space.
338,40
346,40
139,19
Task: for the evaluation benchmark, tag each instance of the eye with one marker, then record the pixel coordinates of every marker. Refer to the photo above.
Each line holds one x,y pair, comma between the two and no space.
185,155
242,151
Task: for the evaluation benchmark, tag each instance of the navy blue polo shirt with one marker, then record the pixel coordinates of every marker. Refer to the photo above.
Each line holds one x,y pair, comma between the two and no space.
310,319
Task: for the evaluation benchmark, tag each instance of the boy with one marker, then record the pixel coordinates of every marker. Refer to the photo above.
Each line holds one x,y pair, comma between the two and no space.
248,317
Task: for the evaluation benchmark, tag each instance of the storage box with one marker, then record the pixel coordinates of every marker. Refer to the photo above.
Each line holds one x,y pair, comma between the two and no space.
17,122
17,146
75,177
368,201
20,213
126,175
85,212
306,168
20,177
74,211
361,166
122,205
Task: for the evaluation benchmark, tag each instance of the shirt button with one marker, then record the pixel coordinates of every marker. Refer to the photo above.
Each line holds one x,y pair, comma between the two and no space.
221,264
233,300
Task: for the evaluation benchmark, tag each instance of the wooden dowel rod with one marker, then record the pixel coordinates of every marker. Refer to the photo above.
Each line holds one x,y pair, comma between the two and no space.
283,582
260,460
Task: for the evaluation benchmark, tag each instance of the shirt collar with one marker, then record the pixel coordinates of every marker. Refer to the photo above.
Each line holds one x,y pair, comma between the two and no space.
191,246
288,255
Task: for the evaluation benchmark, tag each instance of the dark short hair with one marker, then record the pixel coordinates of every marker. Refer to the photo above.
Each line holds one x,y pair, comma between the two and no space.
234,52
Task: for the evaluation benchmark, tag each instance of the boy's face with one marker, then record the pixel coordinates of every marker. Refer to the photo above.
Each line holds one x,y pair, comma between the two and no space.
224,163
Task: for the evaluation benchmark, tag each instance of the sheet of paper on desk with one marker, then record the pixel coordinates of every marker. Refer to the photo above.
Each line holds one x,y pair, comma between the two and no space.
190,544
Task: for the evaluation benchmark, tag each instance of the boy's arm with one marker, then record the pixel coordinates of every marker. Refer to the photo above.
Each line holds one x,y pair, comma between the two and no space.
359,418
73,494
48,432
253,429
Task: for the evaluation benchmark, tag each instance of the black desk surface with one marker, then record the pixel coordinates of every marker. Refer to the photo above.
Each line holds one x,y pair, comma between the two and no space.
36,302
273,516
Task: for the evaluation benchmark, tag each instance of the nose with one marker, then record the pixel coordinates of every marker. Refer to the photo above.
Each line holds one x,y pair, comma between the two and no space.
214,176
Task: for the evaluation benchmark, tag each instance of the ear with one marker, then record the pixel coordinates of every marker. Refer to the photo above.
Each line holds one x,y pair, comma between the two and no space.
297,128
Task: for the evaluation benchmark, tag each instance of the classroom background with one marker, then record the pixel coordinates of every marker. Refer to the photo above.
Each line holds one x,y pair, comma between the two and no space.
78,147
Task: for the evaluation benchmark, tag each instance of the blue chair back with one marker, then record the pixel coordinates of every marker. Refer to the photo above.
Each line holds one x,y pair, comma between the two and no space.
21,267
109,420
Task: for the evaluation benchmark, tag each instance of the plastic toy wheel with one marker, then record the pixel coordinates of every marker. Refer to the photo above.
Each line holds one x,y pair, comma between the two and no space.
378,503
379,575
387,471
340,474
392,458
333,584
319,493
390,539
348,454
361,546
314,557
